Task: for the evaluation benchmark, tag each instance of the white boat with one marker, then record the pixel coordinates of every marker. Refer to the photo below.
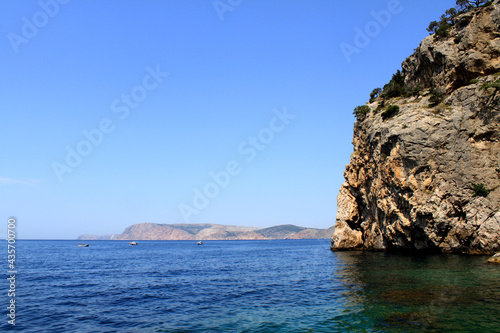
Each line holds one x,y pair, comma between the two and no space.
83,245
199,243
134,243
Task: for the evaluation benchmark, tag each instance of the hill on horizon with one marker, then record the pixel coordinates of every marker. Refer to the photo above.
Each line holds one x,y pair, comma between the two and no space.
210,231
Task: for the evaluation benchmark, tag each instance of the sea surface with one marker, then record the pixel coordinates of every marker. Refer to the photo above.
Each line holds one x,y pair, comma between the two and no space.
246,286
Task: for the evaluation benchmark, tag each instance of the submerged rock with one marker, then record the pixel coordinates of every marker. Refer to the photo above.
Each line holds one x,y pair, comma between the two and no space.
413,320
427,178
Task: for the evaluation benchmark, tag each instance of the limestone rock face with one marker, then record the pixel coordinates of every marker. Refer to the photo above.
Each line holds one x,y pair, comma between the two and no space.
410,181
471,50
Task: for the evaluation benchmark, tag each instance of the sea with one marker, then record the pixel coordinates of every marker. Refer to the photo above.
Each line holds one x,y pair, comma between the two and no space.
245,286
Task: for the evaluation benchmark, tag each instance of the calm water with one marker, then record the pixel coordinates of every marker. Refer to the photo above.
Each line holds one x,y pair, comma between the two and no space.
247,286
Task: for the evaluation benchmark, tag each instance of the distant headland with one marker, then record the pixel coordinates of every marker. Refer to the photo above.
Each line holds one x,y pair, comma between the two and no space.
208,231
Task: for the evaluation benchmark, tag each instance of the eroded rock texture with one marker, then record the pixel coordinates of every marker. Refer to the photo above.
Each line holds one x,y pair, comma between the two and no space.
409,184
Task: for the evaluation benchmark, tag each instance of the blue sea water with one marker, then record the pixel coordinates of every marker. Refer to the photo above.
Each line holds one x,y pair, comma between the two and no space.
246,286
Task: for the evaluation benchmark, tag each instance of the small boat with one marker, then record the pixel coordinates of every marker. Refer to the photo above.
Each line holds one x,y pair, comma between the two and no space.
199,243
83,245
134,243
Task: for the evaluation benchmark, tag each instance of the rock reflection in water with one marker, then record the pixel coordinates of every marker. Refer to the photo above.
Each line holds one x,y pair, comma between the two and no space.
401,292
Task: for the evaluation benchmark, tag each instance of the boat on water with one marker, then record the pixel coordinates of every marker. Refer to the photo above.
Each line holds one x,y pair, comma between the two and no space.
199,243
134,243
83,245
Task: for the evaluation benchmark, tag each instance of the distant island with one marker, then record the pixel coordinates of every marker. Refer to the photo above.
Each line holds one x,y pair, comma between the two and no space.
207,231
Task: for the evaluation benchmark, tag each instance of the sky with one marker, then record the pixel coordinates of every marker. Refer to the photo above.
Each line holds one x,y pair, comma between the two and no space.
232,112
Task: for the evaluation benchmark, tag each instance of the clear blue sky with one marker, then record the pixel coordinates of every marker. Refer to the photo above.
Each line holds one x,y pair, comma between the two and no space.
102,67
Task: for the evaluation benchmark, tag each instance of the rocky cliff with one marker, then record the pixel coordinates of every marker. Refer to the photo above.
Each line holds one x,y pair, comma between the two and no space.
425,171
154,231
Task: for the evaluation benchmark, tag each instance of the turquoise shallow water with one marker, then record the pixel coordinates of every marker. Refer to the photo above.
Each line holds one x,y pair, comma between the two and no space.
247,286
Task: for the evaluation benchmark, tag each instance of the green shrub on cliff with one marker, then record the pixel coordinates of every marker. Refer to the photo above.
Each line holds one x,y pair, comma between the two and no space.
396,87
361,111
495,84
374,94
446,21
436,96
442,27
390,112
480,190
414,90
465,5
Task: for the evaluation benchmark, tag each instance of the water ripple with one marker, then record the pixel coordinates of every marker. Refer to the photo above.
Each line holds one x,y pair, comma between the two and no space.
247,286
